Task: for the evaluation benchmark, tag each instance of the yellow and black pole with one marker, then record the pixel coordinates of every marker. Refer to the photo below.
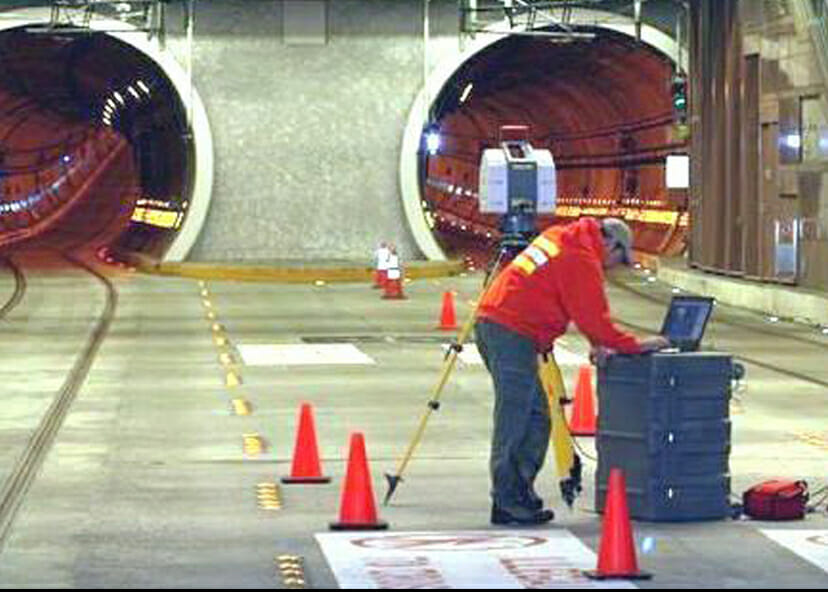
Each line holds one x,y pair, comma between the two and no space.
568,463
448,365
433,403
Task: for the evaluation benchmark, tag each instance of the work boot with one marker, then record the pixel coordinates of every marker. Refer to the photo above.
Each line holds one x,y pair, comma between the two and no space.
534,501
502,517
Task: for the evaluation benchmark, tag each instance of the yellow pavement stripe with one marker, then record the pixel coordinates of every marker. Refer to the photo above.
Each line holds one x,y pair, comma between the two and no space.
414,269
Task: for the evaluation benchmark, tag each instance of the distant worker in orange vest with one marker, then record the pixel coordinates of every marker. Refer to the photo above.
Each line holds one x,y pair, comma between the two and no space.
557,279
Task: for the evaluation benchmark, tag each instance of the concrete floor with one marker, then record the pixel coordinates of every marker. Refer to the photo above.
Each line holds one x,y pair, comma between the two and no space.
147,484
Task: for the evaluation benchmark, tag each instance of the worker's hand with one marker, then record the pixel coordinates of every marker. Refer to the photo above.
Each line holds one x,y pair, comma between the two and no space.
598,355
654,344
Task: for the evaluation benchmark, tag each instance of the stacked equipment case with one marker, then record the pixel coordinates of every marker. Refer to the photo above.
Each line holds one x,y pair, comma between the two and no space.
665,421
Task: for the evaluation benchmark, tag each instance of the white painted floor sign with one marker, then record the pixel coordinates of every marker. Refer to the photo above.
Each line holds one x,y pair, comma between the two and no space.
811,545
461,560
303,355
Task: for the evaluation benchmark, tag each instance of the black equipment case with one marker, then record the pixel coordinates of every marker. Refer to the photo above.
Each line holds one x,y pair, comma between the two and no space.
664,419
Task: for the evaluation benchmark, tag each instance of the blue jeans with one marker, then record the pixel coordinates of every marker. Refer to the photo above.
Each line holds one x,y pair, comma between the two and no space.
522,427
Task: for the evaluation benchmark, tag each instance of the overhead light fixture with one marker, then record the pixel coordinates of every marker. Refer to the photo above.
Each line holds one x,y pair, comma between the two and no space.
134,92
466,92
119,96
793,141
433,142
143,86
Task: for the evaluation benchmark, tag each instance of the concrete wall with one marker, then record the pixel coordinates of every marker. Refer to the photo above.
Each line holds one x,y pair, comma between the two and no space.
307,138
760,141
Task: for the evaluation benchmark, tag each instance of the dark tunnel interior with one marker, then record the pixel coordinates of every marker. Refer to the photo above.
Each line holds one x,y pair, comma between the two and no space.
600,103
95,159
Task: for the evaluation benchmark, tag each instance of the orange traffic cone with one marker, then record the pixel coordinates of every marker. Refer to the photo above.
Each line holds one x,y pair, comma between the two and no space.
616,557
394,285
379,278
306,467
448,321
582,422
358,510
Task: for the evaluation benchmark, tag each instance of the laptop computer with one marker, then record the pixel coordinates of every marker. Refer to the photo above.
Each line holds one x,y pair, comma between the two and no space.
686,321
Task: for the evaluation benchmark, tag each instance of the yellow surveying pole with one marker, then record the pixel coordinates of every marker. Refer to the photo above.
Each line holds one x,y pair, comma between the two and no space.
434,402
568,463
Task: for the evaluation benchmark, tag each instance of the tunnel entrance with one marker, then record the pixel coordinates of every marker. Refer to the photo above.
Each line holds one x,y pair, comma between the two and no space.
600,101
96,158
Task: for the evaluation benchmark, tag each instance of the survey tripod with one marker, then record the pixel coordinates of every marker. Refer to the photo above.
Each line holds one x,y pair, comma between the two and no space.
567,461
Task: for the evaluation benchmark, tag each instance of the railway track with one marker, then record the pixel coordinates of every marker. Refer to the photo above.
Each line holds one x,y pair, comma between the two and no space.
14,490
19,287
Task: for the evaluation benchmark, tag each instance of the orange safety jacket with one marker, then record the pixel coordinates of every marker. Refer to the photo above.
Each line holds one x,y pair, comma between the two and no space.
557,279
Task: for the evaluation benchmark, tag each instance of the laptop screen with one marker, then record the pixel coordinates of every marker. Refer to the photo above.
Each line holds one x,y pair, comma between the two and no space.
686,320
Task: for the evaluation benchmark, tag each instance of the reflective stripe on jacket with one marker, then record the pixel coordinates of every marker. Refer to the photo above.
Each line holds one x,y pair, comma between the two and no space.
557,279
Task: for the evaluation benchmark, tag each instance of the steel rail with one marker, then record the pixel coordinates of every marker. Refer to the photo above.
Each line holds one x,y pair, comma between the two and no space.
26,469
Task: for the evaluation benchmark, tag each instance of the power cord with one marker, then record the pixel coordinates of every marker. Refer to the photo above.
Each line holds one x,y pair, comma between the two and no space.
819,498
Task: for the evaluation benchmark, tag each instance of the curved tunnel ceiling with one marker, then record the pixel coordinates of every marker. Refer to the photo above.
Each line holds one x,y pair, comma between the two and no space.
94,155
602,105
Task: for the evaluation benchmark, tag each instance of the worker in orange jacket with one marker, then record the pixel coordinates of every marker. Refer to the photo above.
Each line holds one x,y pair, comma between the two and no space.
557,279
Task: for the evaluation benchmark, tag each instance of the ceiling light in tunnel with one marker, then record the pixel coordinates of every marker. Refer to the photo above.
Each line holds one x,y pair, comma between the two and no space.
119,96
433,142
466,92
793,141
142,85
134,92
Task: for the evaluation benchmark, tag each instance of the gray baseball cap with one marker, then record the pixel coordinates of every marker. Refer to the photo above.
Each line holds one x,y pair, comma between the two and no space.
618,231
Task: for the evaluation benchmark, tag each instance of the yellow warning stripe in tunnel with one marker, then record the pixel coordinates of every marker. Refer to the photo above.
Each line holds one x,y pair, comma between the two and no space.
299,275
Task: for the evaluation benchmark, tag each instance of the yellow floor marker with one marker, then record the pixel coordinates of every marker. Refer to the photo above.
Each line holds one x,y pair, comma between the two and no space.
241,406
227,359
233,380
269,496
292,570
253,444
